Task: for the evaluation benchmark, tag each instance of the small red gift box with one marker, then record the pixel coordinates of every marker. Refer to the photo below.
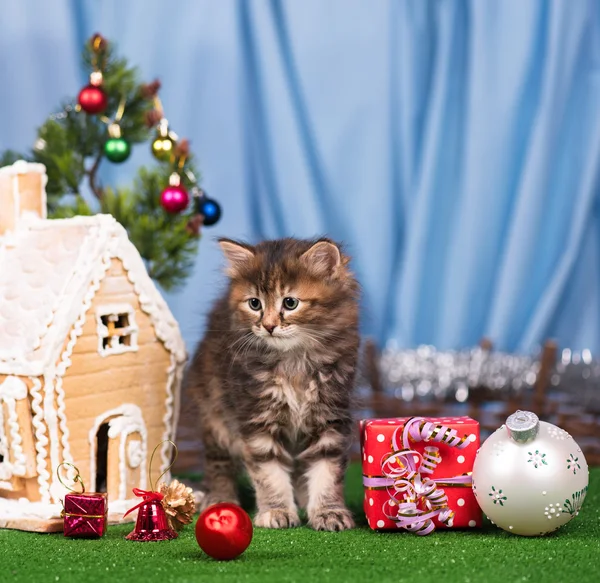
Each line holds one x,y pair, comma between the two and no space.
85,514
417,473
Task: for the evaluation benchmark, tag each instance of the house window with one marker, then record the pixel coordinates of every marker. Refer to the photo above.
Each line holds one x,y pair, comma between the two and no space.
117,329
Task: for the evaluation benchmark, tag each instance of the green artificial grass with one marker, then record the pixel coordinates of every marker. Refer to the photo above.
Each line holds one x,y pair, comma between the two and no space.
487,555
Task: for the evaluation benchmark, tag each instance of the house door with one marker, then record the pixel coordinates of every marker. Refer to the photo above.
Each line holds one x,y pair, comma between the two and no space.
118,451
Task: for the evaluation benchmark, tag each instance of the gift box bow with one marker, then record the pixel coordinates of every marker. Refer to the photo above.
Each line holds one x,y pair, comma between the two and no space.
414,497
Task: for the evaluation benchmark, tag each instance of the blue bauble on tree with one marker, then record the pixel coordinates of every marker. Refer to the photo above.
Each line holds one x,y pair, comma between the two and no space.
209,209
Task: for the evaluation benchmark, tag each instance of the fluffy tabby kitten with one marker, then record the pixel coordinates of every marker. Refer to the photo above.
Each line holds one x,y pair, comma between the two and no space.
273,379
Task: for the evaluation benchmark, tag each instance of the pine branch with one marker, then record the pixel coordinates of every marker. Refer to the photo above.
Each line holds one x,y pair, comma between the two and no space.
67,143
91,173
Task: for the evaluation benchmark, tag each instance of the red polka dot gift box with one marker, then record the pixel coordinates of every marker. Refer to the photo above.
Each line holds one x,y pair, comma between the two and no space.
417,473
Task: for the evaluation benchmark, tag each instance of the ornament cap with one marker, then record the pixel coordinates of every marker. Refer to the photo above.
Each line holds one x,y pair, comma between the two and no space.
114,130
96,78
523,426
163,128
174,179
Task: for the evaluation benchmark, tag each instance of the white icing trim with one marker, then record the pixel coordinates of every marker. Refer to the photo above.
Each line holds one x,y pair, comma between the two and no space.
115,310
13,388
123,458
14,463
135,453
5,465
23,167
151,301
16,201
171,405
122,506
19,168
41,441
23,508
106,239
51,419
122,421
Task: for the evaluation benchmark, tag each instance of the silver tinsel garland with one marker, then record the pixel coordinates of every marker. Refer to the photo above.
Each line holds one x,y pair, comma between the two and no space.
426,373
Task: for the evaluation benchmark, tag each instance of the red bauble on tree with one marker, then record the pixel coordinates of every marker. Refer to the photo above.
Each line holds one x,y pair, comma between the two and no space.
224,531
175,198
92,98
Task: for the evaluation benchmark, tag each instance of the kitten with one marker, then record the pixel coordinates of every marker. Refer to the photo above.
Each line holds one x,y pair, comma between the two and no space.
273,377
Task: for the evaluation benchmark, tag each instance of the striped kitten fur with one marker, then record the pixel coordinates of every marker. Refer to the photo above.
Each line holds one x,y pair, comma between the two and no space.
273,377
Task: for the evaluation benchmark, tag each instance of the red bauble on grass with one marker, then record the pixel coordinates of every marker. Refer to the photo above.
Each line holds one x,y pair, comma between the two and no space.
224,531
93,99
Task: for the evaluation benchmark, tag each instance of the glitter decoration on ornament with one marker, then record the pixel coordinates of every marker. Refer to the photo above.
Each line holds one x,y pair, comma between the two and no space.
572,463
537,484
536,458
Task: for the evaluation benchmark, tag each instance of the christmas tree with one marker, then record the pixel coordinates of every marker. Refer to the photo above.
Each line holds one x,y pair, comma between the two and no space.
112,113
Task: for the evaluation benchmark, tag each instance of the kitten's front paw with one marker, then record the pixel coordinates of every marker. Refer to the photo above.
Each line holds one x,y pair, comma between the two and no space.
277,518
331,519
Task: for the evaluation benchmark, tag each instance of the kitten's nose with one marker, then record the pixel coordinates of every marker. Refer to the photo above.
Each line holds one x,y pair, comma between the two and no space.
269,329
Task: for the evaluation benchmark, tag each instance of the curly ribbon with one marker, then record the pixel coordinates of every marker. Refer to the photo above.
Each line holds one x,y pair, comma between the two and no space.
150,495
405,477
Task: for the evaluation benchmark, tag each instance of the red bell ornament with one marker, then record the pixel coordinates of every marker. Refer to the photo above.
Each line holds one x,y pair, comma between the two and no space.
151,523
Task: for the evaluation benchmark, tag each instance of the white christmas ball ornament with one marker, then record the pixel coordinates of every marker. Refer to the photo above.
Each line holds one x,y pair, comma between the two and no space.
530,477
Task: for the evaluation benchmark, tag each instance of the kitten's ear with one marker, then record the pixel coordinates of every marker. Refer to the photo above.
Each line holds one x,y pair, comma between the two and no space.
323,258
237,254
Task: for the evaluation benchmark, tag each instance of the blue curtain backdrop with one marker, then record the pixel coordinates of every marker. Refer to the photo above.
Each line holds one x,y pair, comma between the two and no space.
453,145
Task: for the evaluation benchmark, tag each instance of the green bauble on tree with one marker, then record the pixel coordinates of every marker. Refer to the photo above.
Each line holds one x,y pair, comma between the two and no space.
116,149
105,120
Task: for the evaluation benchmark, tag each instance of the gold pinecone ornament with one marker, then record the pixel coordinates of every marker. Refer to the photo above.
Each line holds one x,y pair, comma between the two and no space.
179,504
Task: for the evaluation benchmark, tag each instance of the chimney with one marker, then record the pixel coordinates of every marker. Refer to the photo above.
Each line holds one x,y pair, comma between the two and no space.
22,193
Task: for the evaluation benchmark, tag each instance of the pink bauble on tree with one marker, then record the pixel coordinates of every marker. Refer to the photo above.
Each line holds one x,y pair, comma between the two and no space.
174,198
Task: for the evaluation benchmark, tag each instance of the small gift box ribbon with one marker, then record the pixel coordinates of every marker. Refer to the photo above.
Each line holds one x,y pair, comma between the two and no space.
405,476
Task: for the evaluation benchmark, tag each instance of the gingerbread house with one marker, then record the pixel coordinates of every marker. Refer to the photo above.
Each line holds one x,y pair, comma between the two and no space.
91,358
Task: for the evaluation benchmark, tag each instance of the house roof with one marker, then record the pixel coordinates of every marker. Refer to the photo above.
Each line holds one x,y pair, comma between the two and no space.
50,271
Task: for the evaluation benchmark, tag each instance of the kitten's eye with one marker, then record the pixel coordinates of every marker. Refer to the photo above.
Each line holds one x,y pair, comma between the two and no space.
290,303
254,304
